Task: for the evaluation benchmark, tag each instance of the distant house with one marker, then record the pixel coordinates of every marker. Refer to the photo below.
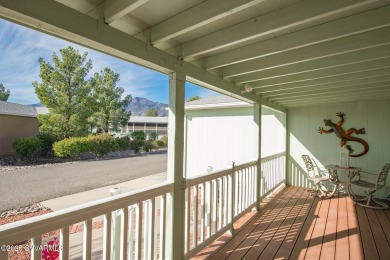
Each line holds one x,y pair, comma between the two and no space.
148,125
16,121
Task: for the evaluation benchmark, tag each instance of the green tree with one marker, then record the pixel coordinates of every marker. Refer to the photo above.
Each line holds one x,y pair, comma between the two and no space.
111,111
66,93
152,112
4,93
193,98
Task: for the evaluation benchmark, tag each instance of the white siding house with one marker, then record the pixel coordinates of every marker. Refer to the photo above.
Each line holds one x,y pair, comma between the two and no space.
148,125
221,130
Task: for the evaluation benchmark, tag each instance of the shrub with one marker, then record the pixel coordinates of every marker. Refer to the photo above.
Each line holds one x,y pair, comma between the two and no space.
153,136
26,147
160,144
164,139
71,147
138,135
47,143
136,145
123,143
102,144
148,146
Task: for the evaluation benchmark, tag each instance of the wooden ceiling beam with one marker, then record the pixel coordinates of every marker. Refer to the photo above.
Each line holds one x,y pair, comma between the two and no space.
366,40
115,9
341,60
296,92
324,73
341,79
197,16
337,99
350,25
331,92
303,12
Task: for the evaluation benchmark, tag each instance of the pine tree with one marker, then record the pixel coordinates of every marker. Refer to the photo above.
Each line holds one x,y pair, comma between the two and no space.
66,93
4,93
110,112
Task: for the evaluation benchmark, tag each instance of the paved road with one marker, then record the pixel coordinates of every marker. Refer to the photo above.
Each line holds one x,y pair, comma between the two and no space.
28,186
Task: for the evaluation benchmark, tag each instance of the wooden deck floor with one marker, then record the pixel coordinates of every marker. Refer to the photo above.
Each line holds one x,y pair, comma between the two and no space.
295,225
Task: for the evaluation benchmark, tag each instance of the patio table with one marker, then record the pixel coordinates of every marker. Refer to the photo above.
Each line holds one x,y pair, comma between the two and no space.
334,177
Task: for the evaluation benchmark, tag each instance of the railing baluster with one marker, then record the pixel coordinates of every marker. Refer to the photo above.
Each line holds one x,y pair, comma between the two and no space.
225,200
220,202
64,243
106,237
124,232
211,202
87,240
151,230
146,229
233,199
230,198
245,187
163,226
188,221
196,192
138,243
215,201
36,252
131,233
203,213
240,191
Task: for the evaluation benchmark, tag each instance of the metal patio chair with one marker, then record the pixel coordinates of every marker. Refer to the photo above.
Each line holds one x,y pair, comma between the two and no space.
319,177
371,187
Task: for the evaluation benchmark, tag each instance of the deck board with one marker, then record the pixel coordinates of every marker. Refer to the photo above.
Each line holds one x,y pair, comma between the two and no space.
259,229
329,243
342,242
384,223
298,226
246,230
378,234
264,241
355,242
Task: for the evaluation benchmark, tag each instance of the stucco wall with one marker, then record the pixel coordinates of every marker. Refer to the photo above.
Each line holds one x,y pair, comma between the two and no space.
218,136
12,127
304,138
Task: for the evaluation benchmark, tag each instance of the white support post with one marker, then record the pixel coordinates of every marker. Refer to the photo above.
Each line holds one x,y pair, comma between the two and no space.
287,177
176,200
257,119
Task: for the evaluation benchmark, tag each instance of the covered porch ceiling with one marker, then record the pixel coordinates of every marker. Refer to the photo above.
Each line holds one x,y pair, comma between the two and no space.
283,53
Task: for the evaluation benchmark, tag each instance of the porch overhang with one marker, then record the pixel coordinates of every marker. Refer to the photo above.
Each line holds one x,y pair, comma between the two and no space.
287,53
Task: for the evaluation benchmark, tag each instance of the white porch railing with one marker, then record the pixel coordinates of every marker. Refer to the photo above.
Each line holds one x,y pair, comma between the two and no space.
213,203
273,173
134,210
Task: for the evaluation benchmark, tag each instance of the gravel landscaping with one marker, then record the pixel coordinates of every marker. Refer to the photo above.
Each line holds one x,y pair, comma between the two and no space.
12,162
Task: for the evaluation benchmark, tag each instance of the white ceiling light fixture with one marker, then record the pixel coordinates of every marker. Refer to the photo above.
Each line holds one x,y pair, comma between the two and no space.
246,88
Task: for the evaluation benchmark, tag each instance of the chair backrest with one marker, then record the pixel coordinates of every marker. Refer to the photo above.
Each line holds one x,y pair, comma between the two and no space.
383,175
309,166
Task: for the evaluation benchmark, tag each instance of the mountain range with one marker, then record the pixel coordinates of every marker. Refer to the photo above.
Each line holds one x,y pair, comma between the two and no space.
138,106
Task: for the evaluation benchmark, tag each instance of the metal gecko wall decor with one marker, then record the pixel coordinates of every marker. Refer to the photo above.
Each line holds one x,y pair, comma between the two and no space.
345,135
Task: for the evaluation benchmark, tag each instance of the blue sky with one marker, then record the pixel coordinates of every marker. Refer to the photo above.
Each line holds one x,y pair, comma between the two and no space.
21,47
